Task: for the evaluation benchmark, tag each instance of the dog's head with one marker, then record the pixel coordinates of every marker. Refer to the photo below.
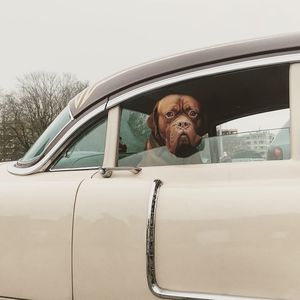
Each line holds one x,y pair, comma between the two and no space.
177,122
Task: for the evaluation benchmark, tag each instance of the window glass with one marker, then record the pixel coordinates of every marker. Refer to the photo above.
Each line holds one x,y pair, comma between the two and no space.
87,151
133,133
255,137
234,117
49,134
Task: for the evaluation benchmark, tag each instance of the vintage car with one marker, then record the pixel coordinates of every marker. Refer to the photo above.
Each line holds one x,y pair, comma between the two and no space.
160,182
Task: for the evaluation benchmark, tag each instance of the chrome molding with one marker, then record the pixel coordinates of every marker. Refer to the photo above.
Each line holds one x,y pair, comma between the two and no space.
70,112
74,169
44,163
150,261
107,172
207,70
150,238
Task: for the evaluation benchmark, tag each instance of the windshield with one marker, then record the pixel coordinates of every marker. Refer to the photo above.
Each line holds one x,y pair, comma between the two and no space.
49,134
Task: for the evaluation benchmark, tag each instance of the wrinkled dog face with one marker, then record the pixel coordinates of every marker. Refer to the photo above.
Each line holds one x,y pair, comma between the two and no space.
176,122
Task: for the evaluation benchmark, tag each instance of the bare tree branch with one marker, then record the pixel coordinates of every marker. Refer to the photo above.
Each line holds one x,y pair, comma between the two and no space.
27,112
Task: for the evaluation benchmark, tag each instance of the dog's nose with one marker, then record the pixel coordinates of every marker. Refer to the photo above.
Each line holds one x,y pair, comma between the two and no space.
183,124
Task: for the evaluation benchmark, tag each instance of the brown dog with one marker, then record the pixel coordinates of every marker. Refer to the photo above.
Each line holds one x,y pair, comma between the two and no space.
176,122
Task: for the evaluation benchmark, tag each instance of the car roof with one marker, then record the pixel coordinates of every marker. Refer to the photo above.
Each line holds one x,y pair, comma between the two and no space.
100,91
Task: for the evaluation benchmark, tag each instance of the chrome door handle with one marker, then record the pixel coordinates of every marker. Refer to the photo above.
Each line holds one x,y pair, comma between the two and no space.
107,172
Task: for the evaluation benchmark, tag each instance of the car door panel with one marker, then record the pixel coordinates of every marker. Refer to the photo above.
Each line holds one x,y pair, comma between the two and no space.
109,238
231,234
36,234
226,229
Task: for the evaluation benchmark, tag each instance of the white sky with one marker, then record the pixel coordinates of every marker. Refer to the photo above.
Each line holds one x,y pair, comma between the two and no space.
95,38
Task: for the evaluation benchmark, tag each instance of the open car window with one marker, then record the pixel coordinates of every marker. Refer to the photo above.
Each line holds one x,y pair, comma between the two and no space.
230,117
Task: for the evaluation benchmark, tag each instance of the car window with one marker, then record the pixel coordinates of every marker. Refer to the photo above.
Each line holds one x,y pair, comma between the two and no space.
230,117
87,151
253,137
49,134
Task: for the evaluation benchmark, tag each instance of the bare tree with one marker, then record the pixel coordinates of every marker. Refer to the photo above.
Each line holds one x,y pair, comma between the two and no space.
27,112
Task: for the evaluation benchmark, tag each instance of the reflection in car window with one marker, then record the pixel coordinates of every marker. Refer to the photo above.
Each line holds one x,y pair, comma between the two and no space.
280,146
87,151
249,146
232,117
254,137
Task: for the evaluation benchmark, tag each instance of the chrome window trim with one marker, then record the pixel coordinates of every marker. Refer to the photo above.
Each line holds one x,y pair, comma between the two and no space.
45,162
228,66
74,169
150,261
205,71
70,112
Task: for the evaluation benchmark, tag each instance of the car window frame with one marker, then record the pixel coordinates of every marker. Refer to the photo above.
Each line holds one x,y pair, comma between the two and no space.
102,118
118,98
119,101
66,137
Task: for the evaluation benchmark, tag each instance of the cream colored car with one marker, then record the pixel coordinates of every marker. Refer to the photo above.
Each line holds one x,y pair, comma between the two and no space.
158,183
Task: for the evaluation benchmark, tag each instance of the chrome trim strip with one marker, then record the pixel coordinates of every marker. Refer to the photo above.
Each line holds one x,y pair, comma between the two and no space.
70,112
150,238
48,158
150,261
258,62
107,172
74,169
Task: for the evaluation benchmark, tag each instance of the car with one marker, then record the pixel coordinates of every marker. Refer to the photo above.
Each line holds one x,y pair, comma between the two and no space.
146,185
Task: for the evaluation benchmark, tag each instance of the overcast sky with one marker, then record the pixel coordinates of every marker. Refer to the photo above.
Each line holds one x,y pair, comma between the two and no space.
95,38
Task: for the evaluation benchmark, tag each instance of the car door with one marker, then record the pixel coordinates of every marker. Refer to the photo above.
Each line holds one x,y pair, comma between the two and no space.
36,232
36,221
215,224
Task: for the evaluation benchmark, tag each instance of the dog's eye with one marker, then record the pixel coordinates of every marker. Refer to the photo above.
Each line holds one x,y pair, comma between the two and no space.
170,114
193,113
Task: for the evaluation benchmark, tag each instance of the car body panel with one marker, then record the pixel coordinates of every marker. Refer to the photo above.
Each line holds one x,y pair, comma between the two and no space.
36,234
230,233
294,93
226,231
109,238
229,229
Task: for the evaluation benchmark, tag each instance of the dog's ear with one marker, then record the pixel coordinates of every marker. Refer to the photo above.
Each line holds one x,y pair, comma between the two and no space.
152,121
